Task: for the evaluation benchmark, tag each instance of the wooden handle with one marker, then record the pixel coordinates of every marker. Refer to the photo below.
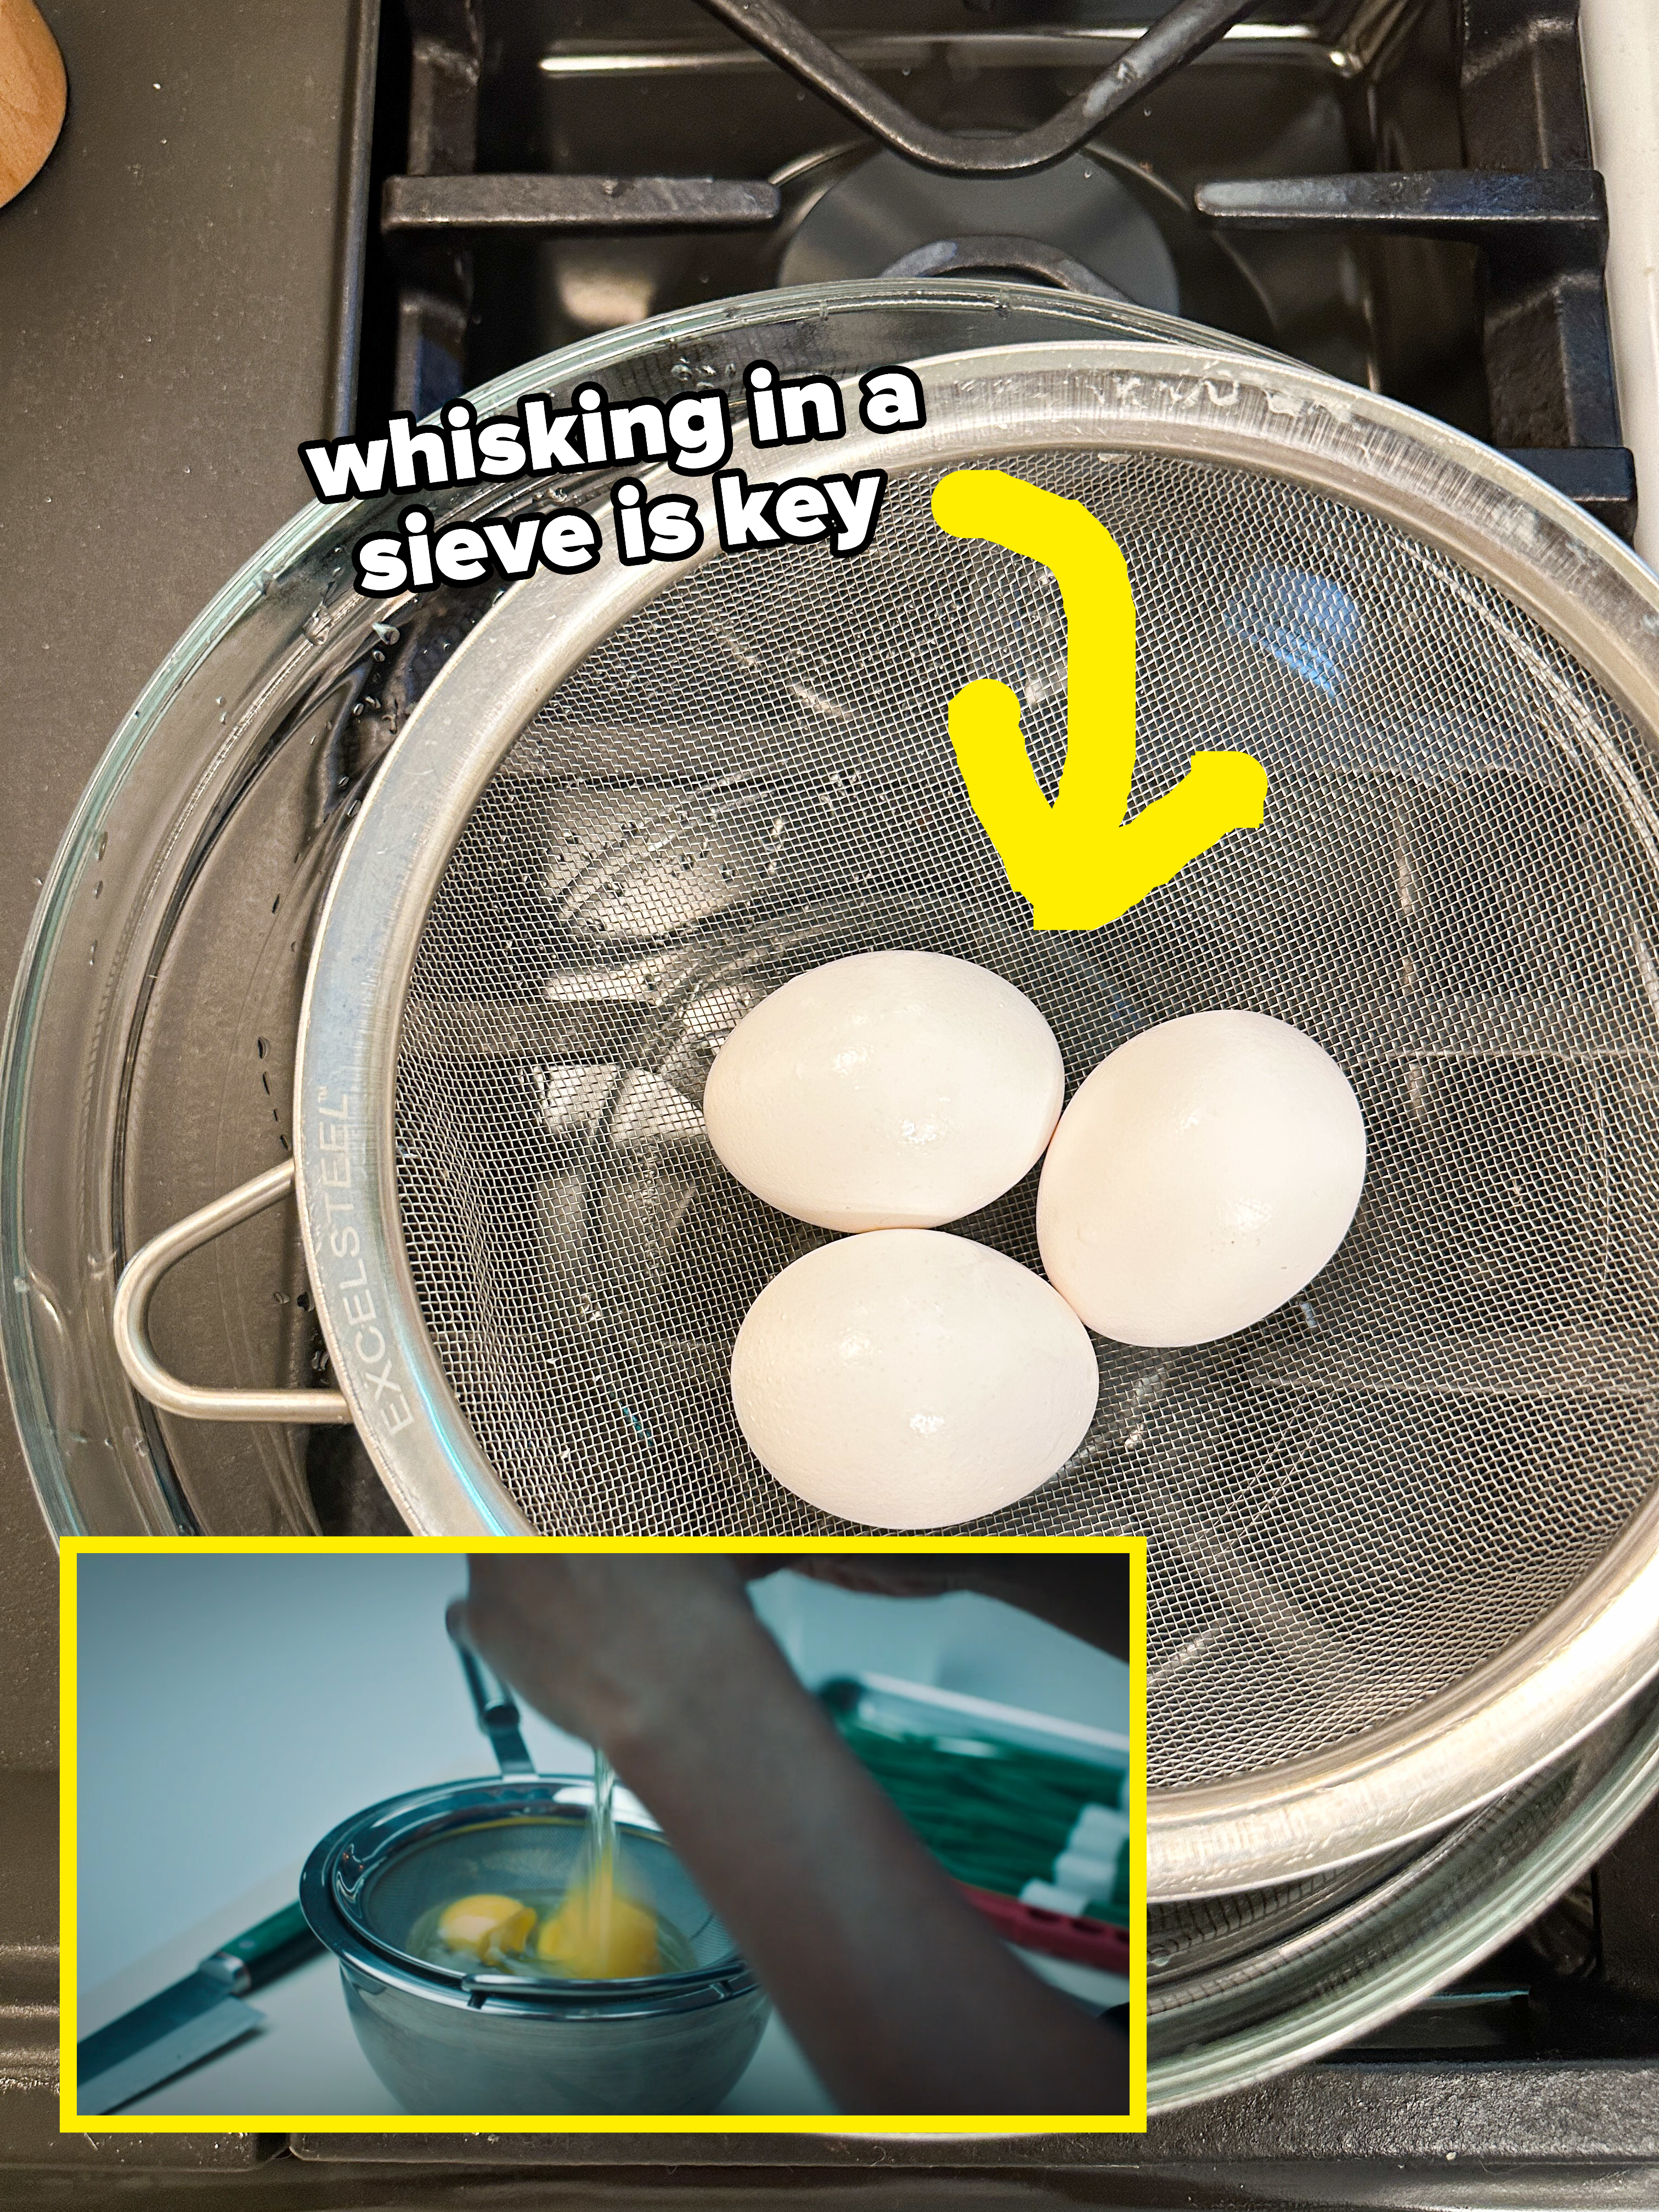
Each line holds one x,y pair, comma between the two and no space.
33,92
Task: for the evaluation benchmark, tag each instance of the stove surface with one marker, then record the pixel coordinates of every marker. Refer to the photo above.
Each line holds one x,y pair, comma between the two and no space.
172,281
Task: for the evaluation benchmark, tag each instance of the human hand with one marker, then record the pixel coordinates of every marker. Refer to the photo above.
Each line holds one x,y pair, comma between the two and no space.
615,1648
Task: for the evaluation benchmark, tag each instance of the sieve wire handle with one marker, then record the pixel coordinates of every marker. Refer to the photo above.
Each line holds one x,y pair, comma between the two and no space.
139,1280
498,1716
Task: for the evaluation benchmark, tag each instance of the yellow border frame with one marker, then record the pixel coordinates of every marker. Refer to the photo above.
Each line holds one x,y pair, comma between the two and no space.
71,2121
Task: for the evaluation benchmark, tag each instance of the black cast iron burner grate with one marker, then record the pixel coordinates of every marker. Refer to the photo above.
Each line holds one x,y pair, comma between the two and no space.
1529,198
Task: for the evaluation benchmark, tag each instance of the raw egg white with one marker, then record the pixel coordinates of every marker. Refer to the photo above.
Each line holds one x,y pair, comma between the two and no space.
1204,1173
911,1380
887,1090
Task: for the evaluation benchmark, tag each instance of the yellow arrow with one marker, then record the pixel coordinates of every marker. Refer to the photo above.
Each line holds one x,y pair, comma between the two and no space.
1079,862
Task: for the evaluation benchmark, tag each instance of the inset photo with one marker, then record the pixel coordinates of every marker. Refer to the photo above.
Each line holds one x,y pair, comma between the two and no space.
632,1836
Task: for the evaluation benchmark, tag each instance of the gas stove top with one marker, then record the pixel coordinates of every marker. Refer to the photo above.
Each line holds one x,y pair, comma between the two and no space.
1398,192
302,224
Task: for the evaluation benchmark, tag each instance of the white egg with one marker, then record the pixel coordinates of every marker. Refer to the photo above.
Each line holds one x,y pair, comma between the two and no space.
1204,1174
887,1090
912,1380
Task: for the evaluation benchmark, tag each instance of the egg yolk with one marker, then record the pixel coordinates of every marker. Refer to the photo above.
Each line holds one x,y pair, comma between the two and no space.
487,1926
596,1935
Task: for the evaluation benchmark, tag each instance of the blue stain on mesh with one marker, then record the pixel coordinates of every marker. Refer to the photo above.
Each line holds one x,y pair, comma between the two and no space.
636,1424
1308,623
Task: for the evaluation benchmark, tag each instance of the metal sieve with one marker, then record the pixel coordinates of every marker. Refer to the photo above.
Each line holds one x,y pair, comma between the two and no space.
1359,1948
471,2037
444,2041
1402,1533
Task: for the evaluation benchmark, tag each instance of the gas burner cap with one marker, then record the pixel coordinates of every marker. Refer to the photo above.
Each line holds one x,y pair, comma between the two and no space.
1003,256
885,212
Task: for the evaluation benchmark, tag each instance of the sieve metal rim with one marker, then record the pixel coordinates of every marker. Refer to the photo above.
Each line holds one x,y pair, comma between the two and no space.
1368,1995
1511,1716
400,1824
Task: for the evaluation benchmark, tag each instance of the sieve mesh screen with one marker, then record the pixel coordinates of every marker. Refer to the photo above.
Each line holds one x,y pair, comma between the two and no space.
529,1858
1455,891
